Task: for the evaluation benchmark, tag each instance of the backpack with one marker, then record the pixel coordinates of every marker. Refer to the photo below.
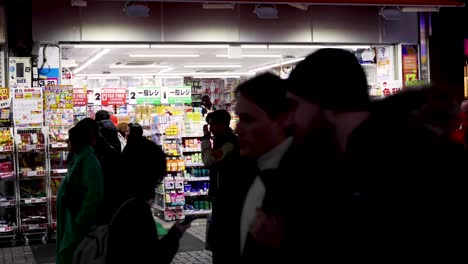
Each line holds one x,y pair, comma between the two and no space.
93,248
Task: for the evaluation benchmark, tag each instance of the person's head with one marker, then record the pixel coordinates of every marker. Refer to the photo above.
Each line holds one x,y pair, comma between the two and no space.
122,128
135,133
83,134
262,110
219,122
102,115
206,102
328,83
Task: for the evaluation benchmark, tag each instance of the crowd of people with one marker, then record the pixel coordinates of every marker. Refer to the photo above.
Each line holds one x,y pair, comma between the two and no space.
314,172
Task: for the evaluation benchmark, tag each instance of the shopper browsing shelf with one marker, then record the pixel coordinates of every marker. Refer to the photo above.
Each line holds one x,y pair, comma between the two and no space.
222,161
262,110
133,236
80,194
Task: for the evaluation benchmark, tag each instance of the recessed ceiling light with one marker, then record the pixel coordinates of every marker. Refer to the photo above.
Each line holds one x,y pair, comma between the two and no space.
319,46
213,66
111,46
267,67
165,55
165,70
93,59
253,56
188,46
254,46
150,66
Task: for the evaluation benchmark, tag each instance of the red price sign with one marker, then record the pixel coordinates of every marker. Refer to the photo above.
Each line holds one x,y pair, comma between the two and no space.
80,98
113,96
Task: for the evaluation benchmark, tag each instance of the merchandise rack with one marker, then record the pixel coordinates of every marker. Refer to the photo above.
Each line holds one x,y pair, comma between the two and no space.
32,182
8,188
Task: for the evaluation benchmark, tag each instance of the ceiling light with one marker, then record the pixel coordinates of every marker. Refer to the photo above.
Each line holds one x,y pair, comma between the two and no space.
111,46
254,46
165,70
216,76
164,55
213,66
419,9
266,11
219,74
190,46
319,46
150,66
93,59
103,77
277,65
253,56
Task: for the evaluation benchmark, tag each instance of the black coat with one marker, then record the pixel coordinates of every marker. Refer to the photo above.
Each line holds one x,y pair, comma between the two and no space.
109,132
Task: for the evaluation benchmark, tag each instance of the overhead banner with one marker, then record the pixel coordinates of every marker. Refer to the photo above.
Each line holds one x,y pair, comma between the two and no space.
179,95
113,96
148,95
80,98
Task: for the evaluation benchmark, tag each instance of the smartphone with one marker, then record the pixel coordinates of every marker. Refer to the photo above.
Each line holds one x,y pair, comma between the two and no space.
188,219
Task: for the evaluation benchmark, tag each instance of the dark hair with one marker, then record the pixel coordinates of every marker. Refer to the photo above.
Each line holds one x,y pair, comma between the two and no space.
135,132
219,117
102,115
83,133
267,91
315,79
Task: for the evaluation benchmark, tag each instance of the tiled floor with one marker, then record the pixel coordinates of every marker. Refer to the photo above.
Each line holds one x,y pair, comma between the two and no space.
16,255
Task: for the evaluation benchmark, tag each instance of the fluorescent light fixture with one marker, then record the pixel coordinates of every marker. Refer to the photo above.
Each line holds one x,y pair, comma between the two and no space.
219,74
104,77
111,46
277,65
319,46
166,75
254,46
164,55
253,56
218,6
419,9
213,66
93,59
216,76
165,70
188,46
150,66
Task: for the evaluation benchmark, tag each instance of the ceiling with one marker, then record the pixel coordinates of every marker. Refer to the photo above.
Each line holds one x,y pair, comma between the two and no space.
118,55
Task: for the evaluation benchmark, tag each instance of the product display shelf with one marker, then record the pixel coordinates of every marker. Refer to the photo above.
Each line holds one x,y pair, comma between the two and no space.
8,188
32,182
57,169
199,212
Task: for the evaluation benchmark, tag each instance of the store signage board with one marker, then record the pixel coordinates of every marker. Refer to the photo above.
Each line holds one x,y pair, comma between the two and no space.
5,104
95,95
179,95
132,91
385,64
148,95
113,96
80,98
20,72
391,87
410,63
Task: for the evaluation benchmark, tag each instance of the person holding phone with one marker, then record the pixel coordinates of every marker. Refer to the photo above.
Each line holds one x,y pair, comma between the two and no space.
133,236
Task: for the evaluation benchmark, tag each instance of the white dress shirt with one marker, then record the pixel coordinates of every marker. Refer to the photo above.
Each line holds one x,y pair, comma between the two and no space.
256,193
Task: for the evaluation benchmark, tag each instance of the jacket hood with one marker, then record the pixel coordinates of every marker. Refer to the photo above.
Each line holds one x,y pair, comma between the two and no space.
107,124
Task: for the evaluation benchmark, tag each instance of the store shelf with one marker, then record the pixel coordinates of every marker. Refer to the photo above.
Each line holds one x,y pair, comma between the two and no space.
193,194
7,175
197,178
171,137
191,150
7,229
27,148
39,173
200,212
58,145
171,206
34,200
59,171
194,164
155,206
6,148
192,136
9,203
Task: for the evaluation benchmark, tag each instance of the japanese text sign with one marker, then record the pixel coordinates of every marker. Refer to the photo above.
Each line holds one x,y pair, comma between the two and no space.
113,96
180,95
148,95
4,97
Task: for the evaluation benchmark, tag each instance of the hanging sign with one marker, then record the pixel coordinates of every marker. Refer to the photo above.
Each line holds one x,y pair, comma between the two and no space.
5,103
95,95
80,98
179,95
113,96
132,91
385,65
4,97
148,95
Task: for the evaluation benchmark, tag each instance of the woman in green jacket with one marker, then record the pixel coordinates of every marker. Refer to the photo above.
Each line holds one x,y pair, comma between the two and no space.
80,193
